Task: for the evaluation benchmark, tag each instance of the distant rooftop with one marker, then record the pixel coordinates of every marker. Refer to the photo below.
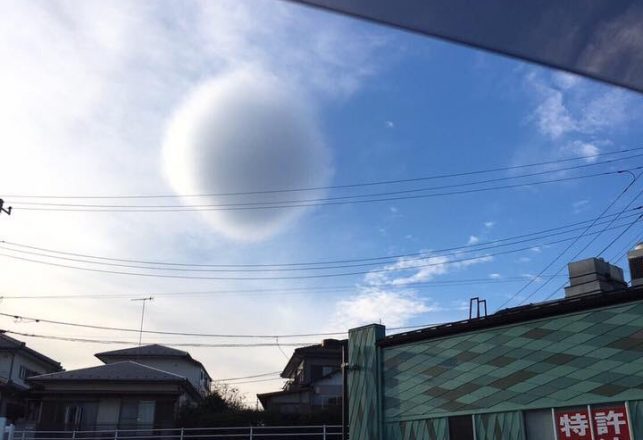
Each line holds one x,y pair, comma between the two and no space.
117,371
9,343
145,350
329,348
148,351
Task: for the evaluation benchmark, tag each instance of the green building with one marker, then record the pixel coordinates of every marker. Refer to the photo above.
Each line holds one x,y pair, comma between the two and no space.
557,370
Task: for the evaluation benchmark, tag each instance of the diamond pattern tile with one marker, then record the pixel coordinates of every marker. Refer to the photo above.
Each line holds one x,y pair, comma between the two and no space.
576,359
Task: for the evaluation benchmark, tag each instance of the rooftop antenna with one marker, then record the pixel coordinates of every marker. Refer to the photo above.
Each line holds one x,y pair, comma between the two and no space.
477,302
2,209
144,300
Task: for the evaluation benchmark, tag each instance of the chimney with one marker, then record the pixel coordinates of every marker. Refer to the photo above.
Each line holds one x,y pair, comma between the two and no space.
635,258
594,275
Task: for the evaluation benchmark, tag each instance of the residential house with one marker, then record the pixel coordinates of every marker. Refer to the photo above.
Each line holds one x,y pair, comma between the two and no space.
166,359
17,363
137,388
315,380
564,369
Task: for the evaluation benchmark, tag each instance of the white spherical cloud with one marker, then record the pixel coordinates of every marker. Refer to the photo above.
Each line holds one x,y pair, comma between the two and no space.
245,132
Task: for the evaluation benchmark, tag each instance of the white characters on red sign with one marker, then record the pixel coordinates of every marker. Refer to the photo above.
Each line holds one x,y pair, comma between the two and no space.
605,420
575,423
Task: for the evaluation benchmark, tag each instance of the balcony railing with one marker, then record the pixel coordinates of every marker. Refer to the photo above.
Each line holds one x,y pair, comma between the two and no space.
312,432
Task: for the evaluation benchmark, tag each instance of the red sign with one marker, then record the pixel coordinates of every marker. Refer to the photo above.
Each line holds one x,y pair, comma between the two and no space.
573,424
611,423
605,423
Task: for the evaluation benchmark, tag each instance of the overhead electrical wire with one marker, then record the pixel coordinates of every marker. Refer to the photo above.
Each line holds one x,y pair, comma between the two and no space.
624,254
265,292
280,266
336,198
296,277
294,203
177,344
589,243
194,334
255,381
341,186
551,263
254,376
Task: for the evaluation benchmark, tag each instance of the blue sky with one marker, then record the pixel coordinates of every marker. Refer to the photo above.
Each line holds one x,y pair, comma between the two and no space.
98,97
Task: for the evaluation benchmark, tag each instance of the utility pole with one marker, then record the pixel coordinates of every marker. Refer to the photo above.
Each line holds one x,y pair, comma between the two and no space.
140,334
3,209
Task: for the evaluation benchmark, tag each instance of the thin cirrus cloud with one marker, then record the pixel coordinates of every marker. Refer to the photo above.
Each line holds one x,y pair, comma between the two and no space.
389,297
246,131
568,105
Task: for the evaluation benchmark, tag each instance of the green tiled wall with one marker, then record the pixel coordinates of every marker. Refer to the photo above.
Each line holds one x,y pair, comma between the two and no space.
636,418
500,426
364,419
431,429
587,357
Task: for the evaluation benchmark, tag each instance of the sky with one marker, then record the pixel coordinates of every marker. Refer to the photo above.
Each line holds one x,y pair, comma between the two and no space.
267,102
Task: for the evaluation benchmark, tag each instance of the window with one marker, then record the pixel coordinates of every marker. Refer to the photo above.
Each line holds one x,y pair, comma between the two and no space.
26,372
461,428
539,425
137,414
73,415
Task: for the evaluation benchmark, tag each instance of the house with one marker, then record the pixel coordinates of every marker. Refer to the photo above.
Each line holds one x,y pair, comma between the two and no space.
557,370
136,388
166,359
17,363
315,380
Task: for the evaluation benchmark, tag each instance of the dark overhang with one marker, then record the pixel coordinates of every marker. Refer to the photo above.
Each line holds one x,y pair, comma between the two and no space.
600,39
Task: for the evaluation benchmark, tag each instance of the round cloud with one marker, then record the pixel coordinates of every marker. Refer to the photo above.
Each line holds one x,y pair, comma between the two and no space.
245,132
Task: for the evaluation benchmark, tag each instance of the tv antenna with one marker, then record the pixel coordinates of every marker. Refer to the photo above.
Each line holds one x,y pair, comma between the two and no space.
144,300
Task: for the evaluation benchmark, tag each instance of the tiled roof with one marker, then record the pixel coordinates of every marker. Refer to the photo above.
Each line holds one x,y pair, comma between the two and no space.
330,348
117,371
152,350
145,350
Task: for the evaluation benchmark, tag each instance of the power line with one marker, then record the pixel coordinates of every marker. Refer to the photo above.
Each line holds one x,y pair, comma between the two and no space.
336,198
612,203
295,203
494,244
282,291
624,254
159,332
209,335
309,276
589,243
277,266
227,379
255,381
342,186
123,342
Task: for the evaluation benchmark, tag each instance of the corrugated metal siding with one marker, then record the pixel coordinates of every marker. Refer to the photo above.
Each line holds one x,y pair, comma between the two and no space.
363,383
582,358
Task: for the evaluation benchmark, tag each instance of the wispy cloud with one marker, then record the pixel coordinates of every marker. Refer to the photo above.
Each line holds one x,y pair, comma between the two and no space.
87,90
375,305
567,105
387,294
